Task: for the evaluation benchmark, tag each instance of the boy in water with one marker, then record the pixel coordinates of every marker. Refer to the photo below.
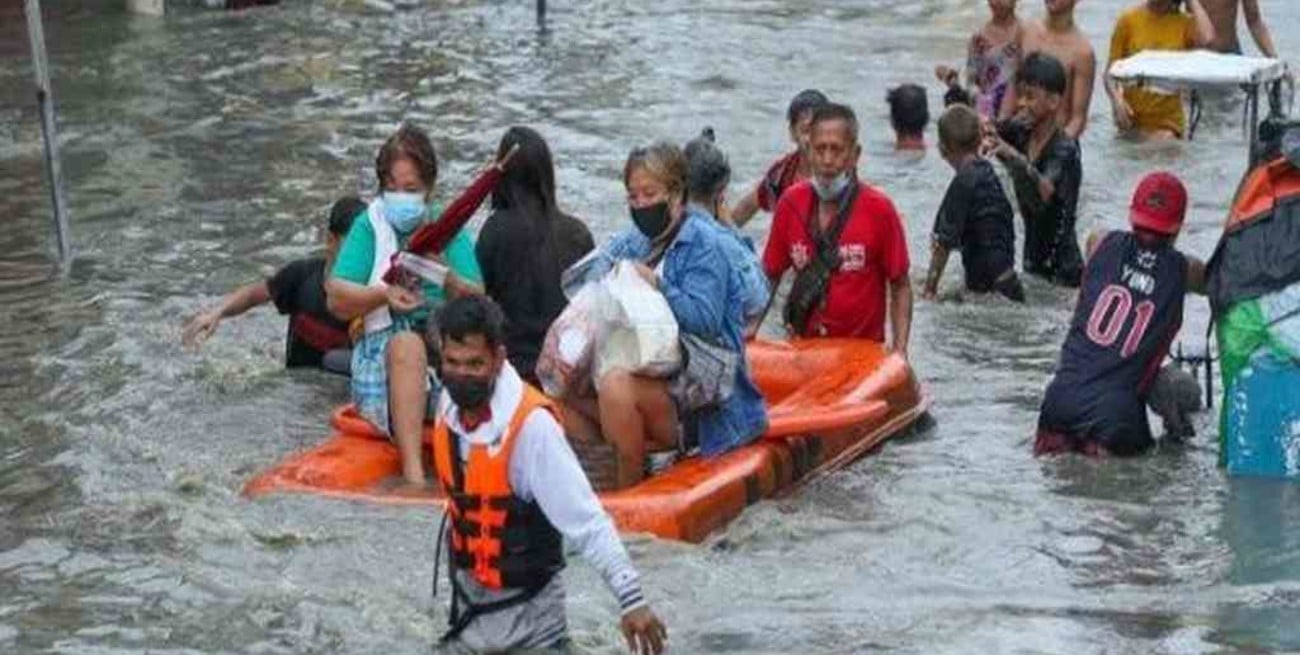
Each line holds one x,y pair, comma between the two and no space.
791,168
975,216
909,113
315,337
1044,164
1060,37
1129,310
1223,14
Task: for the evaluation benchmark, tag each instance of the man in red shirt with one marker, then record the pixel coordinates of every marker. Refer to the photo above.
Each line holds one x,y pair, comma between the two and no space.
845,241
791,168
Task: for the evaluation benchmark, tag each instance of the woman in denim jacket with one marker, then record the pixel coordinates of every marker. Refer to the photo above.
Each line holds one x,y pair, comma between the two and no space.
677,252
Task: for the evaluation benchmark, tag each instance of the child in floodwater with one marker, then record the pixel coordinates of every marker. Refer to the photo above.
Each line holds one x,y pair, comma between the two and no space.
975,216
991,58
314,337
1045,168
909,113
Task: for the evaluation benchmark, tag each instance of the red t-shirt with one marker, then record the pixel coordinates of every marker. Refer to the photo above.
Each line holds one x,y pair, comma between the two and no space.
873,251
781,175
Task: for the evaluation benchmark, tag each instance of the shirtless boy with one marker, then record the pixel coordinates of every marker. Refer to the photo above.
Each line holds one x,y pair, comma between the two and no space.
1059,36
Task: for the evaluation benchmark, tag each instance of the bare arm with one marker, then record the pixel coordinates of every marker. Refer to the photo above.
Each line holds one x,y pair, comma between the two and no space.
900,312
199,328
1204,26
348,300
745,208
938,261
1258,30
1081,97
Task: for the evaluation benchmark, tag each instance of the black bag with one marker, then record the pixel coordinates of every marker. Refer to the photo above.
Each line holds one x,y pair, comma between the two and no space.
810,283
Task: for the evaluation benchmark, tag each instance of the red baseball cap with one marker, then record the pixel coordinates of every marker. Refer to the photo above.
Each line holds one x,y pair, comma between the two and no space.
1159,204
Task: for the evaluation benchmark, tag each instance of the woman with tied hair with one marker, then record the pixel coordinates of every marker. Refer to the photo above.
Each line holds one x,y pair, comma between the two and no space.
525,245
675,251
390,382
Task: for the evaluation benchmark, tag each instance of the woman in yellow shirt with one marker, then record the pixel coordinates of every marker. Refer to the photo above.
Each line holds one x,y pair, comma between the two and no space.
1154,25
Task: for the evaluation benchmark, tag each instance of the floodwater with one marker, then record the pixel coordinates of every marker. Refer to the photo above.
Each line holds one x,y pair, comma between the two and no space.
203,149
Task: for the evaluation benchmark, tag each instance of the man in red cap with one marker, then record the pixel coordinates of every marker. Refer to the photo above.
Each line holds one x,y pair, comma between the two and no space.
1129,310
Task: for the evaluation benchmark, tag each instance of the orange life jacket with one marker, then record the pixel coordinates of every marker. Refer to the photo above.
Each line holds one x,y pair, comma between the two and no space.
502,541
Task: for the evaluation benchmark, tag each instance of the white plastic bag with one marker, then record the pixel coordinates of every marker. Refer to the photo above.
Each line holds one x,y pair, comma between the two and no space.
638,331
564,365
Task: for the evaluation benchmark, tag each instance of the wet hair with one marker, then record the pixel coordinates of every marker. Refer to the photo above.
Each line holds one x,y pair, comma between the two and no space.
707,168
804,102
909,110
959,130
663,161
1042,71
833,111
342,212
408,142
528,181
956,95
475,314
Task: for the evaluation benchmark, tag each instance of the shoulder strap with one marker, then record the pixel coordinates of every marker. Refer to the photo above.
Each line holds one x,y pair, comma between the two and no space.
828,242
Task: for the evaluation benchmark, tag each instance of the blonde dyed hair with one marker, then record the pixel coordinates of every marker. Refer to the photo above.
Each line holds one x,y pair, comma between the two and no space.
664,162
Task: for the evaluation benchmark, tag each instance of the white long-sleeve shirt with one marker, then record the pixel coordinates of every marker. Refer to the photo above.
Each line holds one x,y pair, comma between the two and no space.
544,468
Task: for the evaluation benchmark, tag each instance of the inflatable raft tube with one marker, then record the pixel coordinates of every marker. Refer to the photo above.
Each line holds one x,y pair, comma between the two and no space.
829,402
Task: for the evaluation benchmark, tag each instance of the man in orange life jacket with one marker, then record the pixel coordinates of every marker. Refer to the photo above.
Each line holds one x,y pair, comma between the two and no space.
514,488
1130,309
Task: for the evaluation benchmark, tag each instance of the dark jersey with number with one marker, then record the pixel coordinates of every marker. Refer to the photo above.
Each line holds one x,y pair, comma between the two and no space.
1130,309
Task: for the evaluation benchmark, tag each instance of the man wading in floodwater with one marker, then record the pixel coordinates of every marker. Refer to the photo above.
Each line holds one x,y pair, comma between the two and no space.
514,487
1130,309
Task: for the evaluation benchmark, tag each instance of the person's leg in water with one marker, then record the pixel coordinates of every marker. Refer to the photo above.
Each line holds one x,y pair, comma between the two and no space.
633,414
407,400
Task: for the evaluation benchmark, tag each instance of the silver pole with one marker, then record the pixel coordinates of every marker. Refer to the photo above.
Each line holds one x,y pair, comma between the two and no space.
49,135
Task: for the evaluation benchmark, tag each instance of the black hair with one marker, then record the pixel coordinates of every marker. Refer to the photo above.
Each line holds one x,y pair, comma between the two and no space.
408,142
804,102
342,212
475,314
833,111
956,95
528,181
1043,71
707,168
909,110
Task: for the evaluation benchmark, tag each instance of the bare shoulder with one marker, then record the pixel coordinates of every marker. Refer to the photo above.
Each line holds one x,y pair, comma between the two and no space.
1080,47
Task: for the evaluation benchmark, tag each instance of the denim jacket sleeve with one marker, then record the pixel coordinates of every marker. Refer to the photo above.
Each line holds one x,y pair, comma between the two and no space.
695,286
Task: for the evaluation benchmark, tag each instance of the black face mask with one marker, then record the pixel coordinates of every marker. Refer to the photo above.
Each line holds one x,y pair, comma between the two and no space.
468,391
652,220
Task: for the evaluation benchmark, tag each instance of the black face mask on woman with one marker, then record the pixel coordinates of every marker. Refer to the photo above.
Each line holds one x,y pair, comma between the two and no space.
652,220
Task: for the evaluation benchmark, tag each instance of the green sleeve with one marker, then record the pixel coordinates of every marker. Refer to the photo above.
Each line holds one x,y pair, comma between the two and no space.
462,260
356,256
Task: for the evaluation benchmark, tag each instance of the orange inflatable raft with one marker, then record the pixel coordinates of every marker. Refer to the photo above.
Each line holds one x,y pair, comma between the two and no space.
829,402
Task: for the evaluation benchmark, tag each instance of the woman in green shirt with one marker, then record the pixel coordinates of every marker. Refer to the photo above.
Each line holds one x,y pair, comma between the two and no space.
390,383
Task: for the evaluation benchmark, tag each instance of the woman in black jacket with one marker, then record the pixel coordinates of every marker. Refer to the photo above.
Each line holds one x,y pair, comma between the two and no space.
526,244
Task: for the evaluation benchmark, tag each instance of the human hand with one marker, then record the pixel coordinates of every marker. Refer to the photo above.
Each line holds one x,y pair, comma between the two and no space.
1123,114
401,299
946,74
647,274
644,632
929,293
200,328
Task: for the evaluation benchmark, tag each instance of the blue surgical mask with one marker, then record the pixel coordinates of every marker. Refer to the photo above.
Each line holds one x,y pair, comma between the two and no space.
832,189
404,210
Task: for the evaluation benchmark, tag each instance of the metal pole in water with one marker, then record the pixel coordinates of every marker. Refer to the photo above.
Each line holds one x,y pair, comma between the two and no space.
541,12
49,135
